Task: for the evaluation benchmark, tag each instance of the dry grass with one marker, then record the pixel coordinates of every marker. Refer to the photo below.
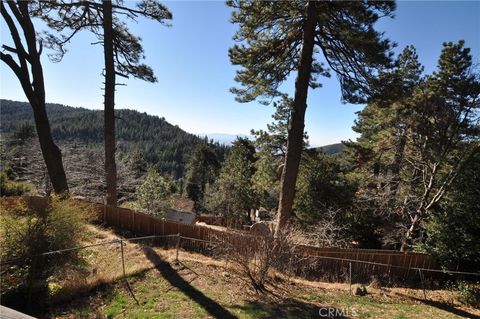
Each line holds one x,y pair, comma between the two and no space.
202,287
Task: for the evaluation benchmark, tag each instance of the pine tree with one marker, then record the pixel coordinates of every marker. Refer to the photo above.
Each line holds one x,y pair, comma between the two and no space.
202,169
279,37
384,125
122,53
321,187
447,134
416,136
233,193
154,193
28,70
271,147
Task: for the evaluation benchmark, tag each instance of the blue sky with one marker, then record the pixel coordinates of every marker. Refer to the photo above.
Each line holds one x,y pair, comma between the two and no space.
194,73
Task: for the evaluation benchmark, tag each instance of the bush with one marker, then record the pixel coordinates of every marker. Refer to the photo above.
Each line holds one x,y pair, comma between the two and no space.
255,257
25,232
13,188
154,193
469,293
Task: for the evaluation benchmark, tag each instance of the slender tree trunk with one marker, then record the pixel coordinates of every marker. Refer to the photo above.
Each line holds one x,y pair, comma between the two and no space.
109,113
34,87
409,235
50,151
297,122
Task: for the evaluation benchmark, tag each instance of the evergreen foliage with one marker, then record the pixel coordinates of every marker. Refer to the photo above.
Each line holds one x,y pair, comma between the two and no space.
454,229
417,136
278,37
232,194
153,194
202,169
322,185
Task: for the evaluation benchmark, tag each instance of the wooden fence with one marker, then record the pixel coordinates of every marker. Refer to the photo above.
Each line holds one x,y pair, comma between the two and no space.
322,260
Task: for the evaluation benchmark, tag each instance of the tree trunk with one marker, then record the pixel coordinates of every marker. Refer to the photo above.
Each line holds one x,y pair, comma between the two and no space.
297,122
109,113
407,241
50,151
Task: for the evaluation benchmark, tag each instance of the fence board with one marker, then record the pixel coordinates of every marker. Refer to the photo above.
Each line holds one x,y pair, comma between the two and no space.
143,224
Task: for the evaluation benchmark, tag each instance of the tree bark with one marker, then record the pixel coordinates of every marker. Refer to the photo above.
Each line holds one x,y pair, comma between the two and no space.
407,241
109,105
50,151
297,121
35,89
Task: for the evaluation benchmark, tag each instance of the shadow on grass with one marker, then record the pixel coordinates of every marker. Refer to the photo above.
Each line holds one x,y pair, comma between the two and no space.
446,307
289,308
441,305
171,275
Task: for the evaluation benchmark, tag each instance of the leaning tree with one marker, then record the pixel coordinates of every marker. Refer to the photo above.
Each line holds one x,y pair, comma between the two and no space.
23,58
277,38
122,52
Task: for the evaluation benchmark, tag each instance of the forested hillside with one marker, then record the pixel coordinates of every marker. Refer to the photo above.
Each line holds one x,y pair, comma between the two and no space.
143,137
332,148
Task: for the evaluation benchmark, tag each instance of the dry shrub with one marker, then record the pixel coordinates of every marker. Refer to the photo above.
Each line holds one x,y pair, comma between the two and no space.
254,257
327,232
25,233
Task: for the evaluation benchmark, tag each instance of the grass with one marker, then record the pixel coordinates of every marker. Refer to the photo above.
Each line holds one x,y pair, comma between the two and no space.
161,297
200,287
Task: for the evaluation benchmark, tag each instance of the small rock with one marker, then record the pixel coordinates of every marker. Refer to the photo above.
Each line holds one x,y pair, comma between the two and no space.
360,290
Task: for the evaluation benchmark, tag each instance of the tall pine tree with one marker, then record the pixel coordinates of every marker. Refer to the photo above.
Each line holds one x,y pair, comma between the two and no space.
279,37
416,138
28,69
122,52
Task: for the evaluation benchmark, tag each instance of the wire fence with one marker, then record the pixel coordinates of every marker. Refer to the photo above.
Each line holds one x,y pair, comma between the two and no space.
117,259
144,224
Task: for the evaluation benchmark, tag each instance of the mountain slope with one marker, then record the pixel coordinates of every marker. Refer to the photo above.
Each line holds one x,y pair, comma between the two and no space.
150,138
332,149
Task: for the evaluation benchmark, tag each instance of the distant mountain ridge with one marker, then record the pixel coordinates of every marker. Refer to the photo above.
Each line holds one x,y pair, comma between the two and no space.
332,149
159,143
224,138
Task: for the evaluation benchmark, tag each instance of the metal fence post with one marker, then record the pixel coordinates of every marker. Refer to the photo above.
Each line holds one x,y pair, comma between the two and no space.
31,280
350,276
125,275
178,246
123,259
423,284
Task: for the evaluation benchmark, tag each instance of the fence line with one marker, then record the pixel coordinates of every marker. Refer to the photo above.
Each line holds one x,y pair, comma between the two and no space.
217,242
148,225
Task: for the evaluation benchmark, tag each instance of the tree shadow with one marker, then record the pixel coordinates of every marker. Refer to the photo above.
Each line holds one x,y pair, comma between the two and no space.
171,275
443,306
290,308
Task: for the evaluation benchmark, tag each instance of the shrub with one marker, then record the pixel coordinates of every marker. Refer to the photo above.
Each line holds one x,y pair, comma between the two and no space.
469,293
13,188
25,232
254,257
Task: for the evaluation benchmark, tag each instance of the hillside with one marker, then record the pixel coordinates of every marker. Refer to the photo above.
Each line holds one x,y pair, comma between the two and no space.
140,136
332,149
